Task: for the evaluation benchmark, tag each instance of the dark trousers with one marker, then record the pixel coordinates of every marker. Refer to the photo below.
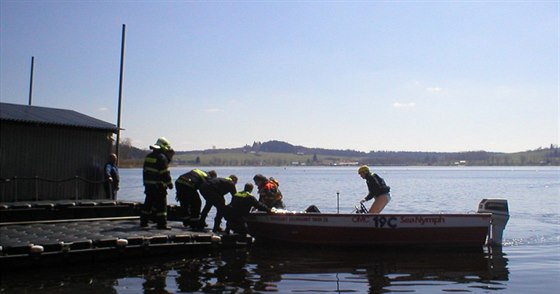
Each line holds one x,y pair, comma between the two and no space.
235,222
155,202
110,191
190,202
216,199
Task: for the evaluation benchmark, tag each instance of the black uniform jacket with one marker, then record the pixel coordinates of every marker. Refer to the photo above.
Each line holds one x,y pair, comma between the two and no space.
376,186
219,185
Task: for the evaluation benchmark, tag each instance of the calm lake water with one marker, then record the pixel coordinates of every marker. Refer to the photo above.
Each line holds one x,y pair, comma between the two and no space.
529,261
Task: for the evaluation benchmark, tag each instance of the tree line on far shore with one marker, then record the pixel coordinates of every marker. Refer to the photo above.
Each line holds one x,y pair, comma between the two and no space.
278,153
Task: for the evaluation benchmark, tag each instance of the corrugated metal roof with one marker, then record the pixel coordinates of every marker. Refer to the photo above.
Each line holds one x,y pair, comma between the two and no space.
51,116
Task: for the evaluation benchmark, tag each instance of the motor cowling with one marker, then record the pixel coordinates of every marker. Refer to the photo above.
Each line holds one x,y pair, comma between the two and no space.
500,216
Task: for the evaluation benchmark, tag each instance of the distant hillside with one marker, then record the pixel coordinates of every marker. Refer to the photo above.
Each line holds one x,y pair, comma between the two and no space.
278,153
130,156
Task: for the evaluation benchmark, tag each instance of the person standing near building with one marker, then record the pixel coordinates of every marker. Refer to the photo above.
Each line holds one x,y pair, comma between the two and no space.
269,193
240,206
187,186
157,179
111,173
377,189
213,192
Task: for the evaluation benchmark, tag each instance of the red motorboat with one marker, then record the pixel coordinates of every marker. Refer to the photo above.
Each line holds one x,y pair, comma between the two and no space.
362,229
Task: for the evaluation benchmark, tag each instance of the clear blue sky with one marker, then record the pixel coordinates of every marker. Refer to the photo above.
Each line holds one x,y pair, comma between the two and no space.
363,75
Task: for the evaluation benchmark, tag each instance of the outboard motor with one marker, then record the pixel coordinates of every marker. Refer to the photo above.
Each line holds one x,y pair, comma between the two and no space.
500,216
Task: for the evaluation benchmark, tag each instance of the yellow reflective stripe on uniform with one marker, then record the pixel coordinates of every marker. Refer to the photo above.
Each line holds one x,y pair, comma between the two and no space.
243,194
158,183
181,181
201,173
150,160
153,182
151,169
156,171
161,214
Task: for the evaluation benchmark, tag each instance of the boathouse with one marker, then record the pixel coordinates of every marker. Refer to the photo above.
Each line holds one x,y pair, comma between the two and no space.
51,154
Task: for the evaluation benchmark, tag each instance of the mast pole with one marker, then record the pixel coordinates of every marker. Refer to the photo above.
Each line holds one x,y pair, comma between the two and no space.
120,93
31,80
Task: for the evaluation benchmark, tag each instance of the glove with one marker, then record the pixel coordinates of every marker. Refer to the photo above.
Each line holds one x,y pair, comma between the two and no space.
170,186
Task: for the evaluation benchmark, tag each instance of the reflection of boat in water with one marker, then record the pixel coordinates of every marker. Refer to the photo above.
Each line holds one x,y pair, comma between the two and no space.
444,230
382,268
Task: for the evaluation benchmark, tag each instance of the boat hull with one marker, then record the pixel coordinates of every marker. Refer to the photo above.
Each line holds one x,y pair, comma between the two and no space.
456,230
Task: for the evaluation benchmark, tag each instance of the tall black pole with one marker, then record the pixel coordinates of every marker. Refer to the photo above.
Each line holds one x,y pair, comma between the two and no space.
120,94
31,80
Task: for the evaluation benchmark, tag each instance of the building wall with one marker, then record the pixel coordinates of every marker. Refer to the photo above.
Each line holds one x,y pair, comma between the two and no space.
47,159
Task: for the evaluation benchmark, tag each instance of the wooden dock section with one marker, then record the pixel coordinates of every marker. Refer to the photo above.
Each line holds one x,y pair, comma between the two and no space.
53,242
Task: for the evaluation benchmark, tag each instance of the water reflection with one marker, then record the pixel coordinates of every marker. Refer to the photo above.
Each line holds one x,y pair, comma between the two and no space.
383,270
265,269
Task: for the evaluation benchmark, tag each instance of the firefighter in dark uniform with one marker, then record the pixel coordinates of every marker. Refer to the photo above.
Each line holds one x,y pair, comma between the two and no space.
157,179
213,192
240,206
187,186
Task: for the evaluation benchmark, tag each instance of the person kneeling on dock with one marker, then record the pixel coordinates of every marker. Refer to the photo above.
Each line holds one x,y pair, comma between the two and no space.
240,205
377,189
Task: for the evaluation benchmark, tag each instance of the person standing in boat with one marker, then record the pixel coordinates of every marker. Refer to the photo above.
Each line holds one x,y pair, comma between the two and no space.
213,192
377,189
269,193
240,206
187,186
111,172
157,179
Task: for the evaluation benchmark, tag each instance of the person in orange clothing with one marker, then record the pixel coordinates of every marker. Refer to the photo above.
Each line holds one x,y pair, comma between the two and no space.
269,193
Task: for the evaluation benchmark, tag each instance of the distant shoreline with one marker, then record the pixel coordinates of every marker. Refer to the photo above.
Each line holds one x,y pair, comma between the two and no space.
139,165
279,159
275,153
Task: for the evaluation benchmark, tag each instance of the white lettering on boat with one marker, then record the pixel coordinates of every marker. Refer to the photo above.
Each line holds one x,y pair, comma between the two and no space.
422,220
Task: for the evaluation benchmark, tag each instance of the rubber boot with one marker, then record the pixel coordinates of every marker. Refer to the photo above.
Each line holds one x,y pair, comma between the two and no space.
217,227
144,220
162,223
186,222
163,226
